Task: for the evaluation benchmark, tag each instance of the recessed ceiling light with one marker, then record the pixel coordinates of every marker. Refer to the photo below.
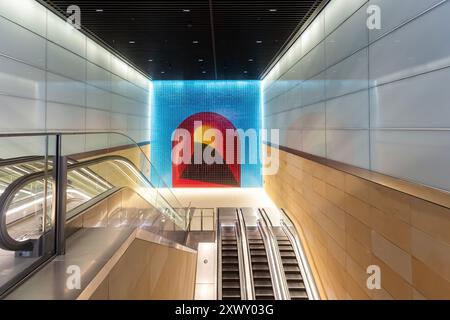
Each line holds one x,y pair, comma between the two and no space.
200,60
195,41
273,10
245,71
162,72
250,60
131,42
203,71
186,10
150,60
99,10
258,41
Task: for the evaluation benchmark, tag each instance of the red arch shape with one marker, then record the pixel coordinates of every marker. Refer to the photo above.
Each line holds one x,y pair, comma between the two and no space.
216,175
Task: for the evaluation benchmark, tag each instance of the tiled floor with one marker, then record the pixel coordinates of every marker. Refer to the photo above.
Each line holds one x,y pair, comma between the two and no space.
226,197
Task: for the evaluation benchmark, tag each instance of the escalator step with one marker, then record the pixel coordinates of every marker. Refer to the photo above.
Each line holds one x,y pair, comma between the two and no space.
231,293
294,277
260,260
261,274
261,284
229,247
230,254
260,267
230,285
255,241
298,294
228,277
285,247
272,297
230,268
291,269
287,254
263,292
296,285
259,253
289,261
256,247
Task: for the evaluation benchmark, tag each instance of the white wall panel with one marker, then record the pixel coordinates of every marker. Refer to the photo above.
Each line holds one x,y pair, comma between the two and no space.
64,62
314,62
313,142
97,55
133,123
13,147
65,117
118,67
97,142
313,90
398,83
21,44
349,111
348,76
340,45
61,89
414,155
20,115
98,98
349,146
313,35
119,85
396,12
27,13
418,102
399,55
63,34
21,80
292,139
336,12
118,121
58,80
313,116
293,55
98,77
97,119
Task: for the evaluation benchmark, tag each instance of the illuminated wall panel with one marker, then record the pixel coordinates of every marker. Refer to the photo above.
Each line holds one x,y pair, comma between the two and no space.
217,105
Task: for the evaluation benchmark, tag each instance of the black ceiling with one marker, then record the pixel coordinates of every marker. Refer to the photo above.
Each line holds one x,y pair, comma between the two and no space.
183,40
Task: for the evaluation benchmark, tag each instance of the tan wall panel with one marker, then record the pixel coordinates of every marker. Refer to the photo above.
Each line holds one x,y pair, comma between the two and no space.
149,271
348,223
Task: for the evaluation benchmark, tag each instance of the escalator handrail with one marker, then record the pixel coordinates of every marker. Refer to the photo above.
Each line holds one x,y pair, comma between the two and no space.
72,133
9,243
19,160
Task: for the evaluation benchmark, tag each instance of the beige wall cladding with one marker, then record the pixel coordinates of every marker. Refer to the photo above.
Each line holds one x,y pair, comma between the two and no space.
149,271
348,223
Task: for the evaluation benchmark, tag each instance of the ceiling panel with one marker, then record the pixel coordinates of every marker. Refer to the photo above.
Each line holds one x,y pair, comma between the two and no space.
197,39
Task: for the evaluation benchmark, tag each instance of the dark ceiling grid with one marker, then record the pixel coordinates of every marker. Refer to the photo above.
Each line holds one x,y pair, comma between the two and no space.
196,39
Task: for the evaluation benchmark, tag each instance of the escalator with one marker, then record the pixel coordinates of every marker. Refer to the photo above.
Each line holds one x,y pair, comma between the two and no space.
261,257
262,280
66,192
231,286
292,272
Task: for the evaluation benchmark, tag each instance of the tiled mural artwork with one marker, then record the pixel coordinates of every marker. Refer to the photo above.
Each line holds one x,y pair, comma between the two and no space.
206,133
